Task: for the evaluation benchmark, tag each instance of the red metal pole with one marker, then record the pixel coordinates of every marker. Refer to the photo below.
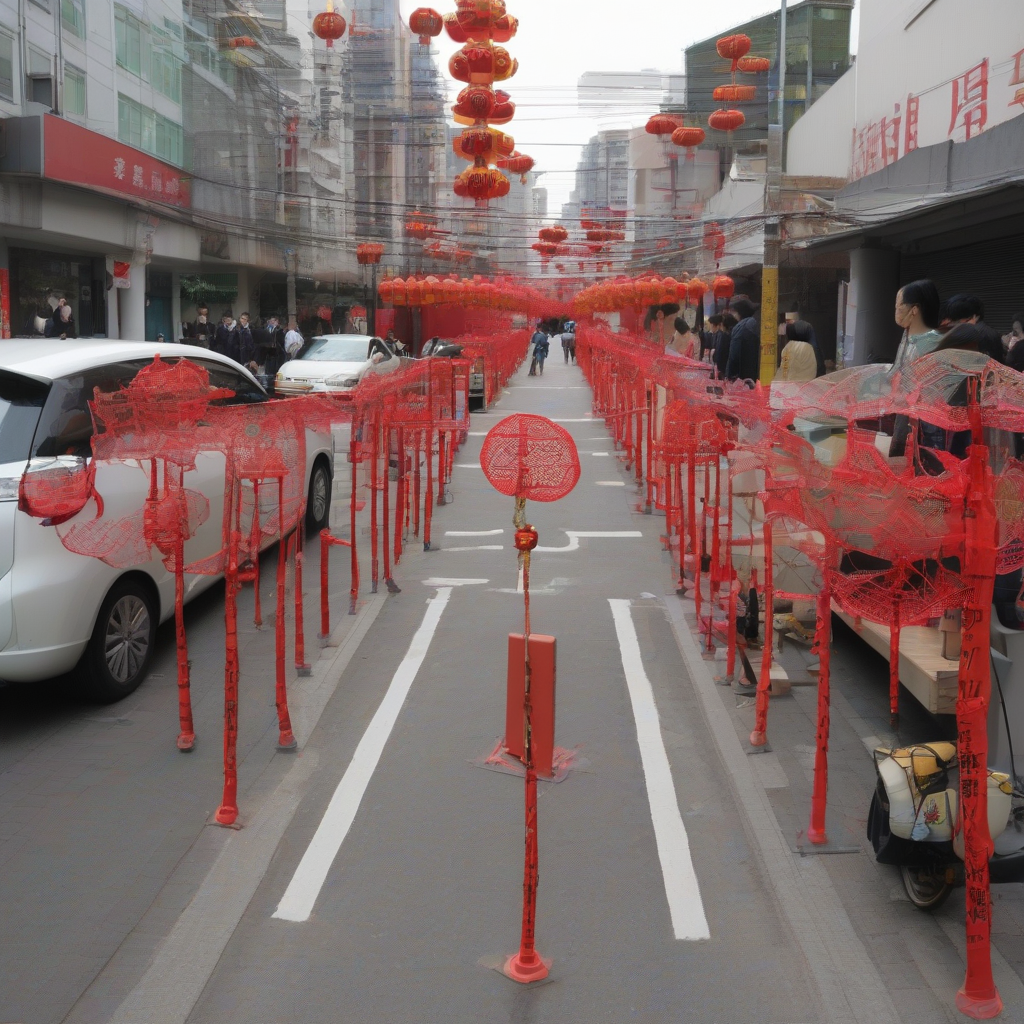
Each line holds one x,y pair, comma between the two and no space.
442,462
759,737
301,666
285,738
822,641
650,448
227,813
325,608
417,446
428,498
354,588
400,496
386,510
254,549
374,457
734,583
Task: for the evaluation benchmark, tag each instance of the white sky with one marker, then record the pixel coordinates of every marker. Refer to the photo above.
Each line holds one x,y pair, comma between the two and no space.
559,40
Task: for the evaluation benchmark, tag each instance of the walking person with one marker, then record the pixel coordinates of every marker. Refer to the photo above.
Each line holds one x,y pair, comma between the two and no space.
540,351
1012,342
246,344
569,341
269,347
723,339
201,331
293,341
538,337
744,343
969,309
683,341
799,357
917,312
225,338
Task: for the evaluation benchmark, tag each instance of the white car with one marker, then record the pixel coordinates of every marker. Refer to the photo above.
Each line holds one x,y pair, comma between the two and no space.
333,362
59,609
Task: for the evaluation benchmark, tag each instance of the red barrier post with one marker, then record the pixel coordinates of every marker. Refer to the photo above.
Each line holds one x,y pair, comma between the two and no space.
386,509
285,737
227,813
417,446
442,462
301,665
650,448
255,537
822,640
186,728
400,496
352,510
374,457
759,737
428,498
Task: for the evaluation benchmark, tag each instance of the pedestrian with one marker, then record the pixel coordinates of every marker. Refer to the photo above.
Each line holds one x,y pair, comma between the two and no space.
293,341
723,339
201,331
570,328
969,309
1012,342
540,351
799,358
538,337
64,321
565,338
917,312
246,344
709,337
683,341
225,339
744,342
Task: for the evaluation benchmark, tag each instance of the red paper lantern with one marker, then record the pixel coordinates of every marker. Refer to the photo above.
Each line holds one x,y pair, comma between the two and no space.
735,93
727,120
475,103
369,253
481,182
662,124
454,29
688,137
416,228
754,65
426,23
473,63
518,163
400,294
329,25
386,291
695,289
723,287
504,28
555,234
733,48
504,109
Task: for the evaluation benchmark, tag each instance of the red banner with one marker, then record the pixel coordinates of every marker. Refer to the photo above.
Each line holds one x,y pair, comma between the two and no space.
76,155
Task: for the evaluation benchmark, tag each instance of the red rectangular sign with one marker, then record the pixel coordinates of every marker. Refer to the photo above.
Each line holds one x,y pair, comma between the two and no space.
542,700
78,156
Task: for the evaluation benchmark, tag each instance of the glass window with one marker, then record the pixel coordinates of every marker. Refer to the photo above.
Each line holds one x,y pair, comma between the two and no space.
21,401
246,392
72,16
65,427
74,91
6,66
342,350
128,42
165,73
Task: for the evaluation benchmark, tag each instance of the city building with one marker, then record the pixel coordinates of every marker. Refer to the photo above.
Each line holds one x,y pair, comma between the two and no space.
928,140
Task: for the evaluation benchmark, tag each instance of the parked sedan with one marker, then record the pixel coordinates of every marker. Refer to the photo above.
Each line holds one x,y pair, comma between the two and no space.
333,362
58,609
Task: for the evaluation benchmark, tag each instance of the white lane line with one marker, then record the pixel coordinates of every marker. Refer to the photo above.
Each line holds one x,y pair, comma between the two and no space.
468,465
473,533
574,537
681,887
301,894
478,547
451,581
609,483
476,433
600,455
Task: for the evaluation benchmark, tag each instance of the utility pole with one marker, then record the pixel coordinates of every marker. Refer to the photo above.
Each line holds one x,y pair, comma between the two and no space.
772,233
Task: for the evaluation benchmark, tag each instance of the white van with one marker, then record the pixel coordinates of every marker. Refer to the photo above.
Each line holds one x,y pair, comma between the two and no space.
59,609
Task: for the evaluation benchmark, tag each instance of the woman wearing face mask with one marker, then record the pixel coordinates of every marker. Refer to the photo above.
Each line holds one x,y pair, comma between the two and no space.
917,312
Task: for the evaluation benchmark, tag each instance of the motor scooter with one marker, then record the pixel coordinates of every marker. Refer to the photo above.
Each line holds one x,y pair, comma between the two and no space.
914,821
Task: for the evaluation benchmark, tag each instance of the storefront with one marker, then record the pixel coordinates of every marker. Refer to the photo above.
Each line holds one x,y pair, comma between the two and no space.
40,279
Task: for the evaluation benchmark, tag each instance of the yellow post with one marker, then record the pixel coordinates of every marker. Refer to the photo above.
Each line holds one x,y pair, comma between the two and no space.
769,323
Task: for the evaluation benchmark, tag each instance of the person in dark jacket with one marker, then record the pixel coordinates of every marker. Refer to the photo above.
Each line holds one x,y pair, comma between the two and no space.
723,339
225,341
270,346
201,330
745,343
246,343
969,309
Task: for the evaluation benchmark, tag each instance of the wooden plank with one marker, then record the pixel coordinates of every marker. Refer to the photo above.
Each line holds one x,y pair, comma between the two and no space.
930,677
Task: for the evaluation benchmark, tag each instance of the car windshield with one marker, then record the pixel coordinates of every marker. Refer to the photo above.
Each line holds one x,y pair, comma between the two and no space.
339,350
21,402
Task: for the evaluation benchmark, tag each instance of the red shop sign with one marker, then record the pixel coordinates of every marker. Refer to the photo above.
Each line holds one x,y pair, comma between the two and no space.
81,157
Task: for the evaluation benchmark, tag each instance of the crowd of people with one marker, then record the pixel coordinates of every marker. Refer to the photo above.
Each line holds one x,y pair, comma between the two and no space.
545,332
730,341
261,349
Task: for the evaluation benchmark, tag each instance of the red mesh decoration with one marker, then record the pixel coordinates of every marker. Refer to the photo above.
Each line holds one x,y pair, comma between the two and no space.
527,456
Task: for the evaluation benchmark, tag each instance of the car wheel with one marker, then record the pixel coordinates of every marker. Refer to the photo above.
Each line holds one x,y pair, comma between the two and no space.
121,649
318,501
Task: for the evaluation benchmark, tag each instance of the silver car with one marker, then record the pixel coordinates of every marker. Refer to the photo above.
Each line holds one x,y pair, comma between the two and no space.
58,609
333,362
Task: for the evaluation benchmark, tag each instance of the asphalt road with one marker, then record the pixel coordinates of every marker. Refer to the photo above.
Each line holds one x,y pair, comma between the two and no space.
666,891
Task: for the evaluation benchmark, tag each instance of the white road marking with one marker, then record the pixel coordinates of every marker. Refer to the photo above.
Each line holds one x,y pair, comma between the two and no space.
476,433
478,547
472,533
304,888
682,889
600,455
609,483
574,538
448,581
552,387
468,465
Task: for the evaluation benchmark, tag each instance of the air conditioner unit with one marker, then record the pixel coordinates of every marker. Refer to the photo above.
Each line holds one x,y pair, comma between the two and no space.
40,89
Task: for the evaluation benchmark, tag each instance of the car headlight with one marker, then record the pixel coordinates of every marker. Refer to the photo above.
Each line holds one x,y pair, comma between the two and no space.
341,381
280,377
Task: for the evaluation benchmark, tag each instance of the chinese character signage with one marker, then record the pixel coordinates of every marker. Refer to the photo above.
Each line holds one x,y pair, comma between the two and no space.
78,156
959,109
